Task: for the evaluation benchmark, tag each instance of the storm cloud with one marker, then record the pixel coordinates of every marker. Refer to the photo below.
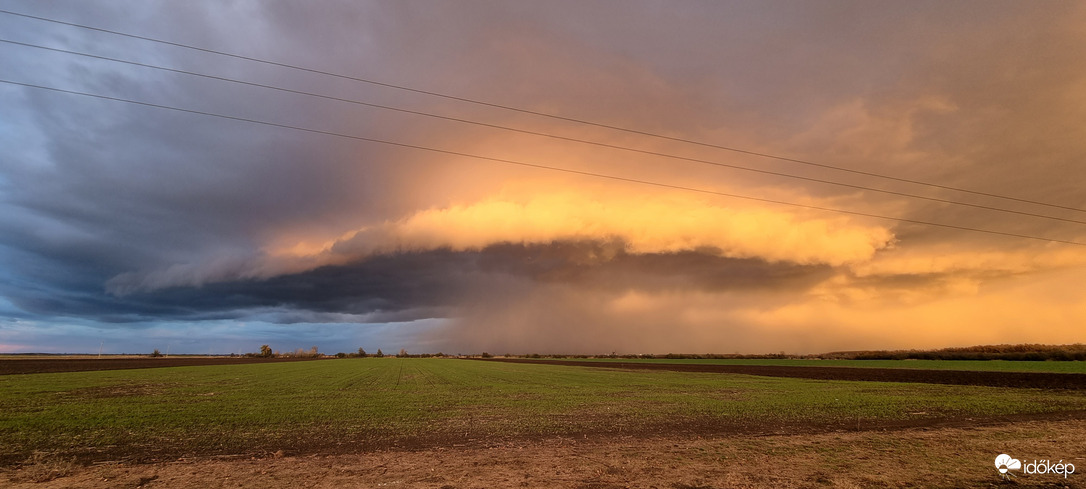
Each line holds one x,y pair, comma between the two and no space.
117,217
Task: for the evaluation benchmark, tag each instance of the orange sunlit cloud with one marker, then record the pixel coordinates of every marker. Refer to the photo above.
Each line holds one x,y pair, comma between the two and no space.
660,225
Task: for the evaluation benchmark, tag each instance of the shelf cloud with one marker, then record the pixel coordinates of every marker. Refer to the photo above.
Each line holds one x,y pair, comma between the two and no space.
134,225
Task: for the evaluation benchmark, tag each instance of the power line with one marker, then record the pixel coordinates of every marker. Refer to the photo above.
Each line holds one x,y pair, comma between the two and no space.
551,116
538,166
535,133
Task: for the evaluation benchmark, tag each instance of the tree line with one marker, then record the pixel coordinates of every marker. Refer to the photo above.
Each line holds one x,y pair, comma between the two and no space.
1013,352
267,352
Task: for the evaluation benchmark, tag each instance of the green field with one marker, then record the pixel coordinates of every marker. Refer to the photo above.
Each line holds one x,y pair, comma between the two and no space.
981,365
362,404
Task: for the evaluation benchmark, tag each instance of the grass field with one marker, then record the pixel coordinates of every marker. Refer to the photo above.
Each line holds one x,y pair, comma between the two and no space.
978,365
364,404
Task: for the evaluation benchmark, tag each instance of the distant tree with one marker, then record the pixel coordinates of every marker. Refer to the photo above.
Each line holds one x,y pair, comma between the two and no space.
156,353
361,352
265,351
341,355
402,353
379,353
313,352
486,355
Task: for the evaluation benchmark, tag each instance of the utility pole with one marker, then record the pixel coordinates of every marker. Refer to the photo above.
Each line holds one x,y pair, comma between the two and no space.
100,349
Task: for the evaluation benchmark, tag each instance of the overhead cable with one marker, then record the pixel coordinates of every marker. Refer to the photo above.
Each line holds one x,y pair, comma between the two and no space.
554,136
535,165
548,115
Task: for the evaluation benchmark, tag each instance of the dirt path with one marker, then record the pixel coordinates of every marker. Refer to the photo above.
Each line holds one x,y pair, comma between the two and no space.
943,457
1041,380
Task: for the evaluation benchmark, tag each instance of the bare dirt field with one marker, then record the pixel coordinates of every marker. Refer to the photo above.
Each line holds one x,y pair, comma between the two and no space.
10,366
934,457
1040,380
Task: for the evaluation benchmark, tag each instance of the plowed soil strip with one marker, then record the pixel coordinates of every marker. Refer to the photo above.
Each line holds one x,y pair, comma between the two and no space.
1039,380
50,365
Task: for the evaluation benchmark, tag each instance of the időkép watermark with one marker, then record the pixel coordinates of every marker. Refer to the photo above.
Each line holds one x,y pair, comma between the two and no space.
1007,466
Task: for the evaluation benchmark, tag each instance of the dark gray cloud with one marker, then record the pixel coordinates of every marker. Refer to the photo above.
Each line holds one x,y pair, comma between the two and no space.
420,285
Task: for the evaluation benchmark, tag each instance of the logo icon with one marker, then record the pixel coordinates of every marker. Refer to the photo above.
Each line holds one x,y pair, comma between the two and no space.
1004,463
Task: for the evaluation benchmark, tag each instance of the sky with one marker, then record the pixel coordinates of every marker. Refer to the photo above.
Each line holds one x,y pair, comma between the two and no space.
128,227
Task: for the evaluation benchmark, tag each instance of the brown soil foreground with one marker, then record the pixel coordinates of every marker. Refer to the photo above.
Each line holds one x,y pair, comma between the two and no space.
49,365
941,457
1040,380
